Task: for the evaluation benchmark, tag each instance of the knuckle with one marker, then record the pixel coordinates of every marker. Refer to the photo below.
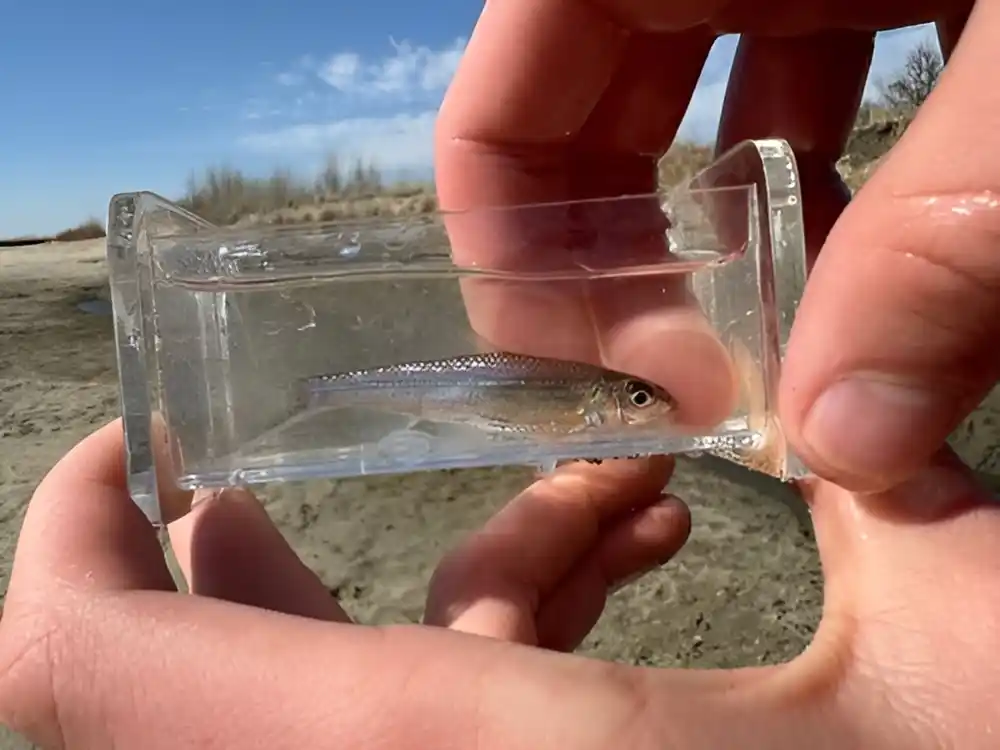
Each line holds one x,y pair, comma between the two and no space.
48,658
933,261
28,642
634,714
956,233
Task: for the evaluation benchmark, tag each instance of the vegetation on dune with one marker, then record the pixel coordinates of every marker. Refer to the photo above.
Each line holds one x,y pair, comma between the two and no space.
881,124
227,196
91,229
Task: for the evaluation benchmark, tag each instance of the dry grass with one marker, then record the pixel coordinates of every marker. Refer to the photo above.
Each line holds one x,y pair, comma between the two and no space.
682,162
91,229
228,196
876,131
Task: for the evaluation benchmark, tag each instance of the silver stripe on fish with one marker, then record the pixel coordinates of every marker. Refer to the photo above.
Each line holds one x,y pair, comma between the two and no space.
499,392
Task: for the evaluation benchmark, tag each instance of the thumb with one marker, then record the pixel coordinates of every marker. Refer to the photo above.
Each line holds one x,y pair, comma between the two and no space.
911,600
895,338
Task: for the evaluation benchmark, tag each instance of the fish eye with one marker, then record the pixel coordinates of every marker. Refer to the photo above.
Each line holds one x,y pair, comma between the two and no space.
639,394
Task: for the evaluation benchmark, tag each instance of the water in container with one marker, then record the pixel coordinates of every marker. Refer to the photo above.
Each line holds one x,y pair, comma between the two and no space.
622,326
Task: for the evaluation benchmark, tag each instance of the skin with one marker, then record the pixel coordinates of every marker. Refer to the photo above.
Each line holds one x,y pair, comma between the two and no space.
559,100
97,650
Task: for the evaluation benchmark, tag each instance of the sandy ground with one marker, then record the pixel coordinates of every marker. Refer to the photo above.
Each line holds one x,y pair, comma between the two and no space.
746,590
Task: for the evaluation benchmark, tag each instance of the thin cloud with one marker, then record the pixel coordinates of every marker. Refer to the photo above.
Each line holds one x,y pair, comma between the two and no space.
404,140
410,70
289,79
341,71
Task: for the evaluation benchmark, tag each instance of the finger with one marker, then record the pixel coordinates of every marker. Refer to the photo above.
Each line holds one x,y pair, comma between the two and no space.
548,64
898,567
949,30
82,536
253,679
579,106
614,99
784,18
494,583
634,546
894,340
83,531
806,90
228,548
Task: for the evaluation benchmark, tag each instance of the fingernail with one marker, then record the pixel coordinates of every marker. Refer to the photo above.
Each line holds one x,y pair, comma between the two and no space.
872,428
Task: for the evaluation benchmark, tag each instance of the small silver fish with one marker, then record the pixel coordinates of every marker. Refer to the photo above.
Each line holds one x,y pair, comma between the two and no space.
498,392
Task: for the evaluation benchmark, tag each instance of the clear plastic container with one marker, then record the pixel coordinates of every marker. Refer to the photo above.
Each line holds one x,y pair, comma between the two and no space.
518,335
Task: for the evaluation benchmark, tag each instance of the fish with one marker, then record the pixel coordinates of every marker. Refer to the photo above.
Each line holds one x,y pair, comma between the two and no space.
499,392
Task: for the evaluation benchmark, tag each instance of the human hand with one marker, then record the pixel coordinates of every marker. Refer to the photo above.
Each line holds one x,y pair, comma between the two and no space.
97,649
560,100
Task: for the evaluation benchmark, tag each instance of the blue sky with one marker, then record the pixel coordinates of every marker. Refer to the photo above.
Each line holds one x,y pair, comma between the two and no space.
102,97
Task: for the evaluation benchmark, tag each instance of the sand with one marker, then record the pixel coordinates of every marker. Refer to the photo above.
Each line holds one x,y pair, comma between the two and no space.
746,589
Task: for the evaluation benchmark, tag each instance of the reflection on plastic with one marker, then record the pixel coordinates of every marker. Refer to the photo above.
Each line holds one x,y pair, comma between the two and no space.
536,334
